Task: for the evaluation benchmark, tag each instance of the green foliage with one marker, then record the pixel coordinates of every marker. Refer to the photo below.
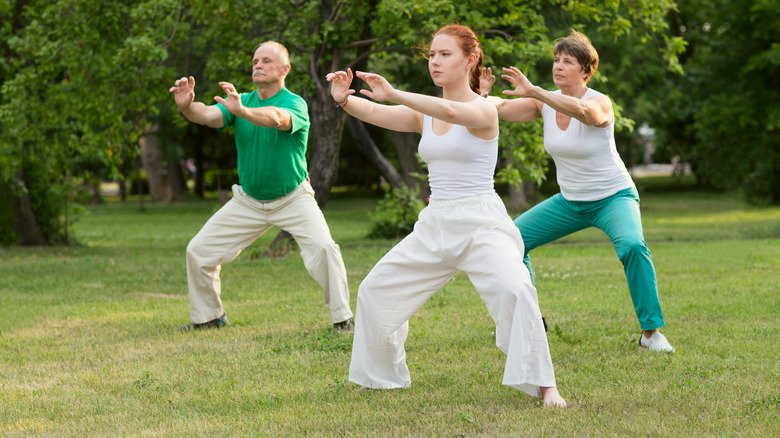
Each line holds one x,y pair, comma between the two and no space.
522,150
81,82
723,115
396,213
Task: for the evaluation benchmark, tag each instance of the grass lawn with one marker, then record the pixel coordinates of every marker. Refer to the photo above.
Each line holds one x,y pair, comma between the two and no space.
89,340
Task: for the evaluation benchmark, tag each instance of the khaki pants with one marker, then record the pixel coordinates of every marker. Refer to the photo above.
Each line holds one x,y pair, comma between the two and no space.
239,223
473,235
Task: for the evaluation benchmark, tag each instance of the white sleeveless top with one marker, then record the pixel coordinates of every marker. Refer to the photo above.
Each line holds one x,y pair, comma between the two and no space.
587,162
459,163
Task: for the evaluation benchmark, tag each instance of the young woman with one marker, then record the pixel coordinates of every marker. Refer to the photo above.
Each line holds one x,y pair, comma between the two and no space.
596,189
464,228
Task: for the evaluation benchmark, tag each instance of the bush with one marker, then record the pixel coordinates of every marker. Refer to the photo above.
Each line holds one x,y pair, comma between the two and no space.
396,213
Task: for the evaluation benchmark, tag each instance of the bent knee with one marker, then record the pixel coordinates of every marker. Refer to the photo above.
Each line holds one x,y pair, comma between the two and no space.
194,247
631,247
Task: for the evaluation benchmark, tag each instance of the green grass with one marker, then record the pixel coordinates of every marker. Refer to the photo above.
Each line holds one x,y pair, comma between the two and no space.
89,340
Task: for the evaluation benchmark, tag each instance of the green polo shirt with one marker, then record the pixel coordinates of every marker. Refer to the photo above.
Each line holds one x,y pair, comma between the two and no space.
271,163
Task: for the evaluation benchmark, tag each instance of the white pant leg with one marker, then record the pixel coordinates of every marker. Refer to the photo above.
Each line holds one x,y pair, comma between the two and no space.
390,294
302,218
231,229
494,264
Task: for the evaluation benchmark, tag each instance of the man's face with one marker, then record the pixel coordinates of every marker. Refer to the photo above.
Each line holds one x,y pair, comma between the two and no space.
268,66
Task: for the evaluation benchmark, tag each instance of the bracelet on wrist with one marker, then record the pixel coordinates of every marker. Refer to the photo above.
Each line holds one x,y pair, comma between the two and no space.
342,104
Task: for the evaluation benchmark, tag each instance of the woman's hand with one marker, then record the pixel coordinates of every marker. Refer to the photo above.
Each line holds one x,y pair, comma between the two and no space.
339,85
380,88
523,87
486,81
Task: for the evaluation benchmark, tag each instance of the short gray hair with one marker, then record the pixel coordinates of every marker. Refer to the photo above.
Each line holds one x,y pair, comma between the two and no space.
283,53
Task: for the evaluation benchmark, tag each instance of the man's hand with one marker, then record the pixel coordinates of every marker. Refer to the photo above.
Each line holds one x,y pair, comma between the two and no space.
523,87
339,85
486,81
233,101
184,92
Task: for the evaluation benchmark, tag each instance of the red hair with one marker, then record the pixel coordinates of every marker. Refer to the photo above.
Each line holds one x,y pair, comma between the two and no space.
469,43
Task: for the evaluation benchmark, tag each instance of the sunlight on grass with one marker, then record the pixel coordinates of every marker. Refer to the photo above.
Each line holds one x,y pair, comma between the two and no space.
90,345
726,217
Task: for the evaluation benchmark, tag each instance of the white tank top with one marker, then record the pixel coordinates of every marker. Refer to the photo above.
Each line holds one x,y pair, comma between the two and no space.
587,163
459,163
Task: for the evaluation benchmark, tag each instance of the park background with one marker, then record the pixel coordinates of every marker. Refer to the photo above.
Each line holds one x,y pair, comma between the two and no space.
103,182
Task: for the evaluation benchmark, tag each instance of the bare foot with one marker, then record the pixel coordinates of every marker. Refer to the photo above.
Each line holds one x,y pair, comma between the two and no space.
551,397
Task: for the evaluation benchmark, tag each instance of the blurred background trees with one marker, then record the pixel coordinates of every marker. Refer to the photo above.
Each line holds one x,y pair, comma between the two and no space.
84,91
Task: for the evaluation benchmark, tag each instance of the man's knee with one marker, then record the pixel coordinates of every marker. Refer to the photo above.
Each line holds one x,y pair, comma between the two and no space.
194,248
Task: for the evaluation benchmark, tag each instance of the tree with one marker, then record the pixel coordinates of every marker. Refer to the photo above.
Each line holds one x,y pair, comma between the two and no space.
84,82
726,108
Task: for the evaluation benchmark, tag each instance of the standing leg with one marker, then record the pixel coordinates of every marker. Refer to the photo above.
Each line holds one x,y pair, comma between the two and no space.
547,221
221,240
390,294
490,258
619,217
302,218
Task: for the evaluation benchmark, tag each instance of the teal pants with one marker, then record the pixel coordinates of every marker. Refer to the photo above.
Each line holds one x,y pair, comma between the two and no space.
617,216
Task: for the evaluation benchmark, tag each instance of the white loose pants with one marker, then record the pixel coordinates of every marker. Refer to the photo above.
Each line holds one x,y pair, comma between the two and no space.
474,235
239,223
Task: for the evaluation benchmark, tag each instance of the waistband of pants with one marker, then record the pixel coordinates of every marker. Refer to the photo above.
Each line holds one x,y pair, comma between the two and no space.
300,187
468,200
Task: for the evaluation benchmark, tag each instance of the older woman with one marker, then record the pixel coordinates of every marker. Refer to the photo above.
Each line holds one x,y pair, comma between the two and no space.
596,189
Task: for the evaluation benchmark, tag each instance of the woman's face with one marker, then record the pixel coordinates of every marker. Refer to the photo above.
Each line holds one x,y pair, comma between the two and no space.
567,72
446,61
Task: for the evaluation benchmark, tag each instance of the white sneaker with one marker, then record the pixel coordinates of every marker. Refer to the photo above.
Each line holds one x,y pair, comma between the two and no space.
656,342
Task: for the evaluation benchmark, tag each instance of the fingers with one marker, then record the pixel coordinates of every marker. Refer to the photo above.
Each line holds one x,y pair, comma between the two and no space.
338,76
513,72
219,99
366,76
228,87
183,84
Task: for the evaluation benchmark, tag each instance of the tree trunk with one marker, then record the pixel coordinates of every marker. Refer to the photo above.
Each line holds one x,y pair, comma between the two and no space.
25,223
405,144
368,147
164,178
153,162
327,124
520,197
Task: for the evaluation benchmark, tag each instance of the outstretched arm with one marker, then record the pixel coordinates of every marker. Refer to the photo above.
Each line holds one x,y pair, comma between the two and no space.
184,94
469,114
596,111
394,117
267,116
515,110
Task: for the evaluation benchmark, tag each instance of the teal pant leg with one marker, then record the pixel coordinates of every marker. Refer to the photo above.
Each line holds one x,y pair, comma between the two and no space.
545,222
618,216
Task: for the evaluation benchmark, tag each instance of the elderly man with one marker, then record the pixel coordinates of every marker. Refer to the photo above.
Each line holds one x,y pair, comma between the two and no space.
271,130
